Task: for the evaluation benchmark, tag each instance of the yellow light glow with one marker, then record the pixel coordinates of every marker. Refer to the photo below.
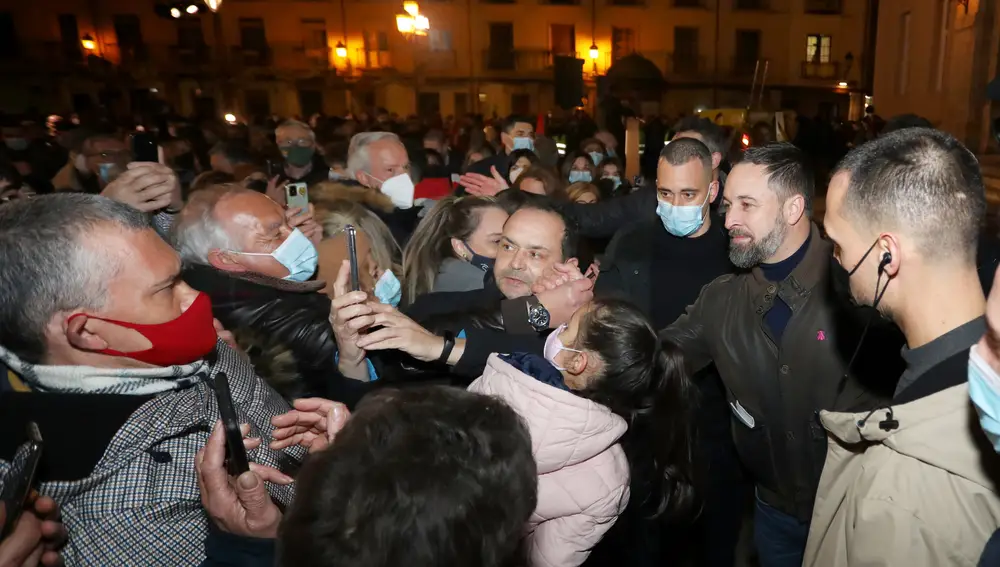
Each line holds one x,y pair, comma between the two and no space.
421,24
213,5
411,8
192,9
341,50
404,23
230,118
175,12
842,84
88,42
594,52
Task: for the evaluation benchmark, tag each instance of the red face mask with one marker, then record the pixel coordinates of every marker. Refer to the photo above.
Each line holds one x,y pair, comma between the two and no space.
182,341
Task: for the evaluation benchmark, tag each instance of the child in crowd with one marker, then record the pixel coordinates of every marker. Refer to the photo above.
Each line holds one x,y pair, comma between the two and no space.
608,408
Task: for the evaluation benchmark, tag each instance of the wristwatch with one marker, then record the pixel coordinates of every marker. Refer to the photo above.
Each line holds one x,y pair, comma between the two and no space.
538,315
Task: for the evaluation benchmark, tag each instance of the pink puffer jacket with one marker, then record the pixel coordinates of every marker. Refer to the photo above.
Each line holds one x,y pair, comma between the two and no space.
582,471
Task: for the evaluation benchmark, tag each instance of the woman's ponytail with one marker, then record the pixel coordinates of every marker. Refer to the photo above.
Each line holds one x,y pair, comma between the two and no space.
426,249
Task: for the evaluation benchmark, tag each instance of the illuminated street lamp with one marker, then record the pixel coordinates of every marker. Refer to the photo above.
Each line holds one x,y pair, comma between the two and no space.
340,49
191,9
88,43
175,12
213,5
594,52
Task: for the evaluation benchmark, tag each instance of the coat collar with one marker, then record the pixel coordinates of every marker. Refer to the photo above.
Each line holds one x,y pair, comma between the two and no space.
798,286
210,274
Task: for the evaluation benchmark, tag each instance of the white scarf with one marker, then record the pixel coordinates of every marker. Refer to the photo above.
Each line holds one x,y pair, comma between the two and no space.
90,380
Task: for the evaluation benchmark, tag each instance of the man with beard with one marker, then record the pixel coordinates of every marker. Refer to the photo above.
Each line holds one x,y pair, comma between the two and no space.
774,333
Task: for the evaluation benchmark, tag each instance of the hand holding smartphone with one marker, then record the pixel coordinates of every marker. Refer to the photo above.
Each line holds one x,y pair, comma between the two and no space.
297,196
352,254
144,147
20,479
236,454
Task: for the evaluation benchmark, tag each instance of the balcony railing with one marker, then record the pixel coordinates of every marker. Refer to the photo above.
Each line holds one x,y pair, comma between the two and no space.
687,66
815,70
373,59
824,6
436,60
519,60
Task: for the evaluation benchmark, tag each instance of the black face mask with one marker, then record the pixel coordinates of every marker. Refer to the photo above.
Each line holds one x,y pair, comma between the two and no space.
482,262
841,282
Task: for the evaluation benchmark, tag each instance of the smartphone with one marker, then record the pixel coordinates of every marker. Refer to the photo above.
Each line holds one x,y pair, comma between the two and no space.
144,147
20,479
236,453
297,195
352,254
273,170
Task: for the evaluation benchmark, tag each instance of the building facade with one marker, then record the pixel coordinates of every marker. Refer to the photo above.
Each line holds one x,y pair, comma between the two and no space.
490,56
934,59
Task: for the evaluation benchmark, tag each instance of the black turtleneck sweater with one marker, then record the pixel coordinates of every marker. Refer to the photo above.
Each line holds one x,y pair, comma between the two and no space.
779,314
681,267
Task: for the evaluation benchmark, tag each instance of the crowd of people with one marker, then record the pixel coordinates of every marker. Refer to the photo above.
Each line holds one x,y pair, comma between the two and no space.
534,361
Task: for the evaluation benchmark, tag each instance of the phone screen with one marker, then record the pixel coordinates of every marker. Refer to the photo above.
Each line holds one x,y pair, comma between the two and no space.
236,454
20,479
144,147
352,253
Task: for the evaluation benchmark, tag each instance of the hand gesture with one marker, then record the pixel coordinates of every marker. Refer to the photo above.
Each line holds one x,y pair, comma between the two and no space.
564,300
226,336
989,346
276,190
37,537
242,505
399,332
349,314
146,186
557,275
483,186
304,220
313,424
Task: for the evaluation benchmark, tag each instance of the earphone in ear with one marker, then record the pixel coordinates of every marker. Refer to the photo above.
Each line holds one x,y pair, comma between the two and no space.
886,260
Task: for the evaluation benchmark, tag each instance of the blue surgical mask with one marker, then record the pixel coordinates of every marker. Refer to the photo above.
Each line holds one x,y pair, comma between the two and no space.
297,254
681,220
596,157
482,262
611,152
578,176
524,143
106,171
388,290
16,144
984,389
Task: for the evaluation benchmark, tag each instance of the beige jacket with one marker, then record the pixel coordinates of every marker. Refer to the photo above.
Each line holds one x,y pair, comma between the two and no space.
917,495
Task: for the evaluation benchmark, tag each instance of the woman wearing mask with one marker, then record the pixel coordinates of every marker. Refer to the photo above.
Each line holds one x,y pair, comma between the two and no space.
595,149
454,246
608,408
377,251
612,170
538,180
520,161
579,167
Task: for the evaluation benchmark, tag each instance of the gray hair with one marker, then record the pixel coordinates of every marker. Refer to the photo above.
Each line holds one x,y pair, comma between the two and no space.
385,249
357,153
292,123
48,266
196,231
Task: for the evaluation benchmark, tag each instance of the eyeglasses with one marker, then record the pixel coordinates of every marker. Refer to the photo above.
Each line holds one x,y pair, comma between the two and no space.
301,142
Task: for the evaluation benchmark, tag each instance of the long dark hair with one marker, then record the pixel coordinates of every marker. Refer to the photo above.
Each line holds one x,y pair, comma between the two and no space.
644,381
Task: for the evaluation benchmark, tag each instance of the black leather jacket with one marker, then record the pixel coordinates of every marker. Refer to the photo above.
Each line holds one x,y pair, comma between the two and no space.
292,314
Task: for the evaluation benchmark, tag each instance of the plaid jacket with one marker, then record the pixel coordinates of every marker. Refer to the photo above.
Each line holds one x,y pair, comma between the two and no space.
141,504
